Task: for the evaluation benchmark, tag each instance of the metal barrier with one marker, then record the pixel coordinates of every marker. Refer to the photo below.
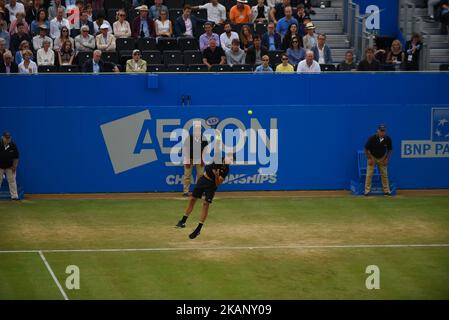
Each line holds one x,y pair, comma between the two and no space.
409,24
355,28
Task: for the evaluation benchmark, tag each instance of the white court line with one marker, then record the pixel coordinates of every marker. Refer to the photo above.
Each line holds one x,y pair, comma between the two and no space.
299,246
53,275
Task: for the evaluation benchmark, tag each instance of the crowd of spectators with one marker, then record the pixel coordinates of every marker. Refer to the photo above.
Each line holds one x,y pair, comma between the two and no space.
37,33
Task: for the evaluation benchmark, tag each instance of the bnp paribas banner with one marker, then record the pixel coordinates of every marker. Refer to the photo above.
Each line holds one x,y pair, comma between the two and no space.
381,15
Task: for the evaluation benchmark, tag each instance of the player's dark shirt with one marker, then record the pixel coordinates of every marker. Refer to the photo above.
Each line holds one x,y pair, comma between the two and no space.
224,169
378,148
8,155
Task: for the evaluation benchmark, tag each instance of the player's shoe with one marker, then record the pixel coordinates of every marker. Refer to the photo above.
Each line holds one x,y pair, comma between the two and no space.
180,224
388,194
185,194
194,234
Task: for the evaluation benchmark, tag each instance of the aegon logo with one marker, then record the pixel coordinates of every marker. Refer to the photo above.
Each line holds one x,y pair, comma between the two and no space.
372,21
130,144
437,146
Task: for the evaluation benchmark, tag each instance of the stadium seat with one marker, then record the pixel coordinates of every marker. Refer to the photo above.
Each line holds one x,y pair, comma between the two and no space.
112,14
152,57
221,68
156,68
83,57
260,28
175,3
174,13
219,29
167,44
69,68
193,57
131,15
242,68
275,57
146,44
198,68
228,4
200,14
327,67
188,43
47,69
444,67
125,56
108,4
124,44
172,57
176,68
238,27
196,3
111,56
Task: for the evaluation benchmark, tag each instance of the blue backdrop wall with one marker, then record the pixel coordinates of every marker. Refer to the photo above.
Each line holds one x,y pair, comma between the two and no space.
85,140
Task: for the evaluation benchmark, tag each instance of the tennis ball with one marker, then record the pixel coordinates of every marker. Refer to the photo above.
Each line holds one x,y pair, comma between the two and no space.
250,112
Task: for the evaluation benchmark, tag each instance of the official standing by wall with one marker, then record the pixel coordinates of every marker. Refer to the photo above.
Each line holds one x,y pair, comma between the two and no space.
9,160
378,150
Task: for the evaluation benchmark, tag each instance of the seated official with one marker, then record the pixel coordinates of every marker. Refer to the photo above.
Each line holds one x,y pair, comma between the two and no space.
136,64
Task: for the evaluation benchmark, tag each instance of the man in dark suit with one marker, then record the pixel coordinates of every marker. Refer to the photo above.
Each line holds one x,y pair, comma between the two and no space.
143,25
271,39
186,24
7,65
96,65
256,52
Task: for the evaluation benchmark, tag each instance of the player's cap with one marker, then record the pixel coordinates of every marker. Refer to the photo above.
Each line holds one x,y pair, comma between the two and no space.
6,134
382,127
43,26
104,26
242,1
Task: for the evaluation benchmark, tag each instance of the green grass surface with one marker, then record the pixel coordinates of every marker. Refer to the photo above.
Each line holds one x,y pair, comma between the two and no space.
260,273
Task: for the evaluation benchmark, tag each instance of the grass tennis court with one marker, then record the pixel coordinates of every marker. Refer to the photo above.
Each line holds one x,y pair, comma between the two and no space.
250,248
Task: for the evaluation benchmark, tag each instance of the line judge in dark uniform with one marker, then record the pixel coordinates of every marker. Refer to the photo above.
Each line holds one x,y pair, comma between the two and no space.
378,150
9,160
194,143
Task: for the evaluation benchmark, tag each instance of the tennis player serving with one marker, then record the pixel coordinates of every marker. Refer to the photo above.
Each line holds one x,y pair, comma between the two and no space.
213,176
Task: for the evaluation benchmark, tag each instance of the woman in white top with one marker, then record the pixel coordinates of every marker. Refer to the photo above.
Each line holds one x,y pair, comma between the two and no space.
163,25
62,38
121,26
45,56
27,65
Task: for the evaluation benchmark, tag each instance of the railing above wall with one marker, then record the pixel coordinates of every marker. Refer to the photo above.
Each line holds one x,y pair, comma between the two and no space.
409,24
355,28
